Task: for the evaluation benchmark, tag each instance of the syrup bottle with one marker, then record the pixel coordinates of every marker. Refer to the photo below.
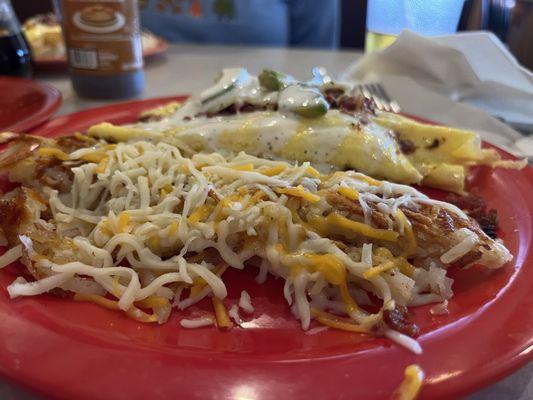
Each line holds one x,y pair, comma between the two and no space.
103,41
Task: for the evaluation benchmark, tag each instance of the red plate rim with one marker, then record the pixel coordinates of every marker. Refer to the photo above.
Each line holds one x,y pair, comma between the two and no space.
269,375
52,102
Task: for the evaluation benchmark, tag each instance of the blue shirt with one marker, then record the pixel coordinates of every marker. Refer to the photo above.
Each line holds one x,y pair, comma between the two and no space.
302,23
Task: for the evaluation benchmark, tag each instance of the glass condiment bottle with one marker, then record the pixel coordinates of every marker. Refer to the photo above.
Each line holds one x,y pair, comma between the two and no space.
15,56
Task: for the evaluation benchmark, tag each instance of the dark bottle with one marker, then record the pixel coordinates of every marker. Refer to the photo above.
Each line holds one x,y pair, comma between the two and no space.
15,56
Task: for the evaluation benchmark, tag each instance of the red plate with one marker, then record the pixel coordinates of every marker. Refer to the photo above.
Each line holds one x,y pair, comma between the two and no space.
53,63
24,103
160,47
78,350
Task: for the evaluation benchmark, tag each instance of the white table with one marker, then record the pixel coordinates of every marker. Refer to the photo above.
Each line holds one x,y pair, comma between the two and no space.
187,68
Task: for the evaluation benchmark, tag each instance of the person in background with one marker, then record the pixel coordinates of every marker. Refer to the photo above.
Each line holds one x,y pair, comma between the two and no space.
300,23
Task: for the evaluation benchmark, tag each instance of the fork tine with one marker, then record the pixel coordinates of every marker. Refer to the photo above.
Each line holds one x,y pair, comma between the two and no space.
393,105
369,92
379,93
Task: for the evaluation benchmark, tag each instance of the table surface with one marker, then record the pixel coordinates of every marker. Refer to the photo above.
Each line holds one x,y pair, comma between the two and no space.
189,68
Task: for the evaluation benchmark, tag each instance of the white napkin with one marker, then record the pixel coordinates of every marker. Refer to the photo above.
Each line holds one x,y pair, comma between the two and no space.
455,80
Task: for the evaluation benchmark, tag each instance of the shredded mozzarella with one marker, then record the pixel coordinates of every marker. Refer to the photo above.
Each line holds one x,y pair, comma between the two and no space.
144,205
245,302
197,322
10,256
404,341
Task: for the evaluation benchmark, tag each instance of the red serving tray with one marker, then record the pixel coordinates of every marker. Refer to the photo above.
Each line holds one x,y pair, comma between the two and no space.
66,350
24,103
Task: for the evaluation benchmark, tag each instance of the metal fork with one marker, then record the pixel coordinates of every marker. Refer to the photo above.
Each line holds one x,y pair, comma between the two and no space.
377,92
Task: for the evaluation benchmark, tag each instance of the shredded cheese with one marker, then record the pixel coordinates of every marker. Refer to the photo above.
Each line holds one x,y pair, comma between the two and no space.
299,191
124,222
313,172
244,167
408,229
349,193
143,204
336,322
11,255
369,180
375,271
339,221
51,152
153,302
132,312
200,213
100,168
221,314
272,171
95,157
411,385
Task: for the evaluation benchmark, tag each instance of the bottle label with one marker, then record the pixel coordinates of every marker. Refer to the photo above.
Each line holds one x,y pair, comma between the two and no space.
102,36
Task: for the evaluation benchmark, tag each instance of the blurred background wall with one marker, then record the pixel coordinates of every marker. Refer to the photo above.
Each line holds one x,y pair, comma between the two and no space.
510,20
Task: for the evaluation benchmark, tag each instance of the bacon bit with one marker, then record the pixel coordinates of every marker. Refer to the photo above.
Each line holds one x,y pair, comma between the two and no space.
476,207
434,144
358,103
332,95
335,92
489,223
247,107
237,108
398,319
406,146
151,118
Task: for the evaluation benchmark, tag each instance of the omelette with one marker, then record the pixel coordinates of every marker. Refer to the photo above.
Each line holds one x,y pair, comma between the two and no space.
326,123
